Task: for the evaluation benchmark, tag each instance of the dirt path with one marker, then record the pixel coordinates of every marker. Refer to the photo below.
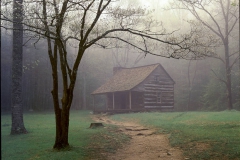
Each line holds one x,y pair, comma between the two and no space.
145,144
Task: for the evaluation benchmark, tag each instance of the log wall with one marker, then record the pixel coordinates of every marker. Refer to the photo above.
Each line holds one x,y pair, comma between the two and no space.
158,90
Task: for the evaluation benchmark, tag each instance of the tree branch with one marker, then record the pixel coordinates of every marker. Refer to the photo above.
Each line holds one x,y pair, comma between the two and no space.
225,82
230,67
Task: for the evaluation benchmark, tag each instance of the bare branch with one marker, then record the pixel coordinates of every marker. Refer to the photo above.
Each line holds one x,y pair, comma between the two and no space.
236,59
99,12
220,79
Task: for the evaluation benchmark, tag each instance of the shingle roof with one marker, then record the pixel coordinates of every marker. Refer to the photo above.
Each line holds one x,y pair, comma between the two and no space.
126,79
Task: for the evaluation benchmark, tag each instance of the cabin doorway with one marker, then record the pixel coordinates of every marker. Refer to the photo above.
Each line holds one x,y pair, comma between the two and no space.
122,98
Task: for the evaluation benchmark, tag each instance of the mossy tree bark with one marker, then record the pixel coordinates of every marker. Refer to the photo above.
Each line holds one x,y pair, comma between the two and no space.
17,108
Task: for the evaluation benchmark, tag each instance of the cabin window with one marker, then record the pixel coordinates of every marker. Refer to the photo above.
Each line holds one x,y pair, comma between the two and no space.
159,97
157,78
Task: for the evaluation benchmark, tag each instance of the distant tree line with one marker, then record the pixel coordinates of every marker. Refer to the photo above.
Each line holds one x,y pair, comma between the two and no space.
207,92
197,85
37,82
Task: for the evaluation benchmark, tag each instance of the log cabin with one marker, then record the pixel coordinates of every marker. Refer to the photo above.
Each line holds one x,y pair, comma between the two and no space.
140,88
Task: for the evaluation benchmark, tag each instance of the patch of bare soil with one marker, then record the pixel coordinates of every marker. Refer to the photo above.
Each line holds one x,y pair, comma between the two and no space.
201,147
145,144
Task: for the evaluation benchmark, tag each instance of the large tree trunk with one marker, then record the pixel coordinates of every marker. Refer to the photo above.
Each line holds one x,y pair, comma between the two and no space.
62,114
17,107
60,140
62,125
62,122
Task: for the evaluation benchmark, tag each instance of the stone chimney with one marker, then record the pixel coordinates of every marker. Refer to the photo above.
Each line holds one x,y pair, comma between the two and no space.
116,69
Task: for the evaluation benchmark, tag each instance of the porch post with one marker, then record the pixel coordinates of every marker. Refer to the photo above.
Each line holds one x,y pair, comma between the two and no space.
130,99
106,102
113,101
93,103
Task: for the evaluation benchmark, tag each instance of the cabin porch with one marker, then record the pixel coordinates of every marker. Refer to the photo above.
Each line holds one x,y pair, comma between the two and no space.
125,100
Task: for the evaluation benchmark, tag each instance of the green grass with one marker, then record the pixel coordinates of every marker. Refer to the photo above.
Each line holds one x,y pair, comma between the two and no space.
201,135
84,143
217,132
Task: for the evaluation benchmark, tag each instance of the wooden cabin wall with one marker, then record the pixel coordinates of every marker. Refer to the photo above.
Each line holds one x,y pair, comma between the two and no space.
157,95
152,88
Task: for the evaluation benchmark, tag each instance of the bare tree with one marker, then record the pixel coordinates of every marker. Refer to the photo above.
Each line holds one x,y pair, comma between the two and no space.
122,55
96,23
17,108
220,18
190,82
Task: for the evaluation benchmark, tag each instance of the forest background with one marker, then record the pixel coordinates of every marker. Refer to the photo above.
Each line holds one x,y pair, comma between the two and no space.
197,86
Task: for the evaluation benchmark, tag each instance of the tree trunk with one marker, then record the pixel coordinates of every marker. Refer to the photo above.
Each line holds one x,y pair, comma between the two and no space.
190,83
228,75
84,88
189,86
239,73
17,107
62,125
62,114
60,140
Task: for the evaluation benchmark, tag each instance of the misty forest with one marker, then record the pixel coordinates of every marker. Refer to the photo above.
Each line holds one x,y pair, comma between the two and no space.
120,79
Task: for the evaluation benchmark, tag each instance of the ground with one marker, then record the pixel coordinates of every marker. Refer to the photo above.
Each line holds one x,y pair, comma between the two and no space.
145,143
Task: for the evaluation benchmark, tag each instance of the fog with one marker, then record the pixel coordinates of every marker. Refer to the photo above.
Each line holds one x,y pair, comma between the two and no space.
200,78
157,79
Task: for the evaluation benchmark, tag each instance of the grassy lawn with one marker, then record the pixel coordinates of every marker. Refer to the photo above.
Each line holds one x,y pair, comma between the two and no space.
37,144
201,135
